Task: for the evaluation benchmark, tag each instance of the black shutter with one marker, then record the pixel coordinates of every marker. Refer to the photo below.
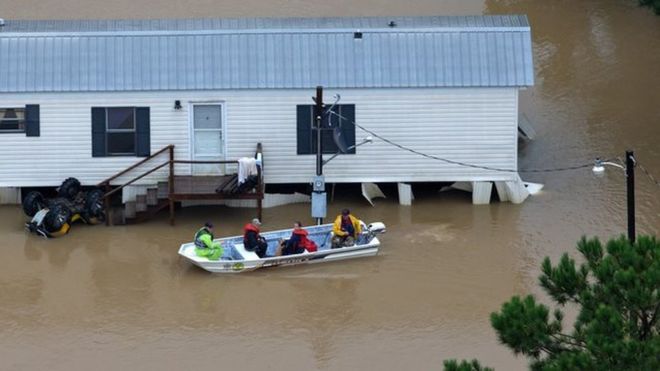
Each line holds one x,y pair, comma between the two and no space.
347,126
32,120
143,131
304,129
98,132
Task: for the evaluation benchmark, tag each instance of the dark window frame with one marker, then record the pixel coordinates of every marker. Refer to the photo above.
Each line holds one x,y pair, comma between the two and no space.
109,131
140,131
22,123
327,127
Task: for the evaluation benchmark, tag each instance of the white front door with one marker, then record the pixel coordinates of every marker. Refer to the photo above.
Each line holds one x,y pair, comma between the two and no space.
208,142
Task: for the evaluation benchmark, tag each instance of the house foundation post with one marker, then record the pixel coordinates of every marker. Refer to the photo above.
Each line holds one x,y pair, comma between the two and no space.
481,192
405,194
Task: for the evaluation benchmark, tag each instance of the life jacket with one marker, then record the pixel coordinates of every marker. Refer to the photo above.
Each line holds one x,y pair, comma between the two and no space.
249,228
305,242
202,231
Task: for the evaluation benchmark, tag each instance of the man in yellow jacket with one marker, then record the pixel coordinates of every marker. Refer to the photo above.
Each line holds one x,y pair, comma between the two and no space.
346,229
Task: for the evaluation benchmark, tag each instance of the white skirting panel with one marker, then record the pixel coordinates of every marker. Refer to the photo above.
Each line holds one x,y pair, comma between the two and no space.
10,195
371,191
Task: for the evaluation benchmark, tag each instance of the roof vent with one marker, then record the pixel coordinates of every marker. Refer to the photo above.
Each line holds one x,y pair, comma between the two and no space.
357,35
392,24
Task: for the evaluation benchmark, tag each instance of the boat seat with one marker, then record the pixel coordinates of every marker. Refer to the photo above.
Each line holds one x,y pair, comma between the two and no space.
272,247
247,255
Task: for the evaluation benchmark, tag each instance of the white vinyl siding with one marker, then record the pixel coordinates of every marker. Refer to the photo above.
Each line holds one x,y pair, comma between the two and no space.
473,125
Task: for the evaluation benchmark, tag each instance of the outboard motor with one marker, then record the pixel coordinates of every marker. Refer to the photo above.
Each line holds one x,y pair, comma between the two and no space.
370,231
377,228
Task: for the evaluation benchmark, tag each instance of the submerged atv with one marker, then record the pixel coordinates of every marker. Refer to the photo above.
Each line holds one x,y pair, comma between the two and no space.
53,217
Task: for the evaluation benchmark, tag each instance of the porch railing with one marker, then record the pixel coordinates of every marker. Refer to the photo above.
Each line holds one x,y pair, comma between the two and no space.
110,191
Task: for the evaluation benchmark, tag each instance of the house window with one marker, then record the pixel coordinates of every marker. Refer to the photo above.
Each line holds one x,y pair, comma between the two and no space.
333,129
120,131
12,120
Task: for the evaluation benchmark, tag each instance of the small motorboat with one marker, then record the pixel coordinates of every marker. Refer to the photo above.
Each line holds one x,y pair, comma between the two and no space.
236,259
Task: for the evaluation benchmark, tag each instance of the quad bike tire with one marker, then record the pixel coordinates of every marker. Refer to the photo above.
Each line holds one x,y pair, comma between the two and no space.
69,189
58,216
94,207
33,202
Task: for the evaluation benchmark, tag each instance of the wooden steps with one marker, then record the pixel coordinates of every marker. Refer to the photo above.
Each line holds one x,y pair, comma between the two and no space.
145,206
148,213
138,202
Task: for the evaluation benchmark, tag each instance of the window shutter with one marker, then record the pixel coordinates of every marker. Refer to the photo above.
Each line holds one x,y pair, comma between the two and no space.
32,120
347,126
304,129
142,121
98,132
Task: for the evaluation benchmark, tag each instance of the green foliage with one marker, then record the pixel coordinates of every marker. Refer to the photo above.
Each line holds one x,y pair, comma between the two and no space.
616,290
655,4
453,365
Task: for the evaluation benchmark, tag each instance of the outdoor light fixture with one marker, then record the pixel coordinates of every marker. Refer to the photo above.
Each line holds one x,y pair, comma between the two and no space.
177,105
629,171
599,167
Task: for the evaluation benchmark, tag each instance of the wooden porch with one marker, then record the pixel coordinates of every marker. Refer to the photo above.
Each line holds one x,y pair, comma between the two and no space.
184,187
219,187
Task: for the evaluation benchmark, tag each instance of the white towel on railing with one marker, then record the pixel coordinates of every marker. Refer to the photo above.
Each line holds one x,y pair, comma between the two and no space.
246,166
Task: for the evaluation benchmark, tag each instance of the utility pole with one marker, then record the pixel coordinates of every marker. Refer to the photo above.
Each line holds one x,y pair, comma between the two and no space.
319,197
318,115
630,185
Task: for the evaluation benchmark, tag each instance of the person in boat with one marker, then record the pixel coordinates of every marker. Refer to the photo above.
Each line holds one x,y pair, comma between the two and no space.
346,229
297,243
252,240
204,244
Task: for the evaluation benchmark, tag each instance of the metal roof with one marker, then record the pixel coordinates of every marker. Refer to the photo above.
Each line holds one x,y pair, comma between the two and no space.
134,55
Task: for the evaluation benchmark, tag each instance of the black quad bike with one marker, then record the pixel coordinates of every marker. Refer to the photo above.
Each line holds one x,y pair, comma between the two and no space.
53,217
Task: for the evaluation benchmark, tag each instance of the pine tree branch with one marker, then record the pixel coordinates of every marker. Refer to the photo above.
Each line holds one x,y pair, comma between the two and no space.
638,316
568,339
648,324
654,317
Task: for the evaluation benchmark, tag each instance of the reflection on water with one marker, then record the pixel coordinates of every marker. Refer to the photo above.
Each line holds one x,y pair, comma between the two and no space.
121,298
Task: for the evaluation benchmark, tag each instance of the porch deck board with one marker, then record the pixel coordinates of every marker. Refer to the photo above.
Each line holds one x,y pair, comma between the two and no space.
187,187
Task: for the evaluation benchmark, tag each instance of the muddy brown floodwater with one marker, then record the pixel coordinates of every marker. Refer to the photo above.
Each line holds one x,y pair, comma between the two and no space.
120,298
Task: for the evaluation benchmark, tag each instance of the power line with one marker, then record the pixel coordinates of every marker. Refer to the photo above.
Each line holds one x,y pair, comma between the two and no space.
648,174
465,164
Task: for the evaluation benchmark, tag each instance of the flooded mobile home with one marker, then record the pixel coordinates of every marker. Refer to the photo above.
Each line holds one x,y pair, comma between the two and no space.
89,99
